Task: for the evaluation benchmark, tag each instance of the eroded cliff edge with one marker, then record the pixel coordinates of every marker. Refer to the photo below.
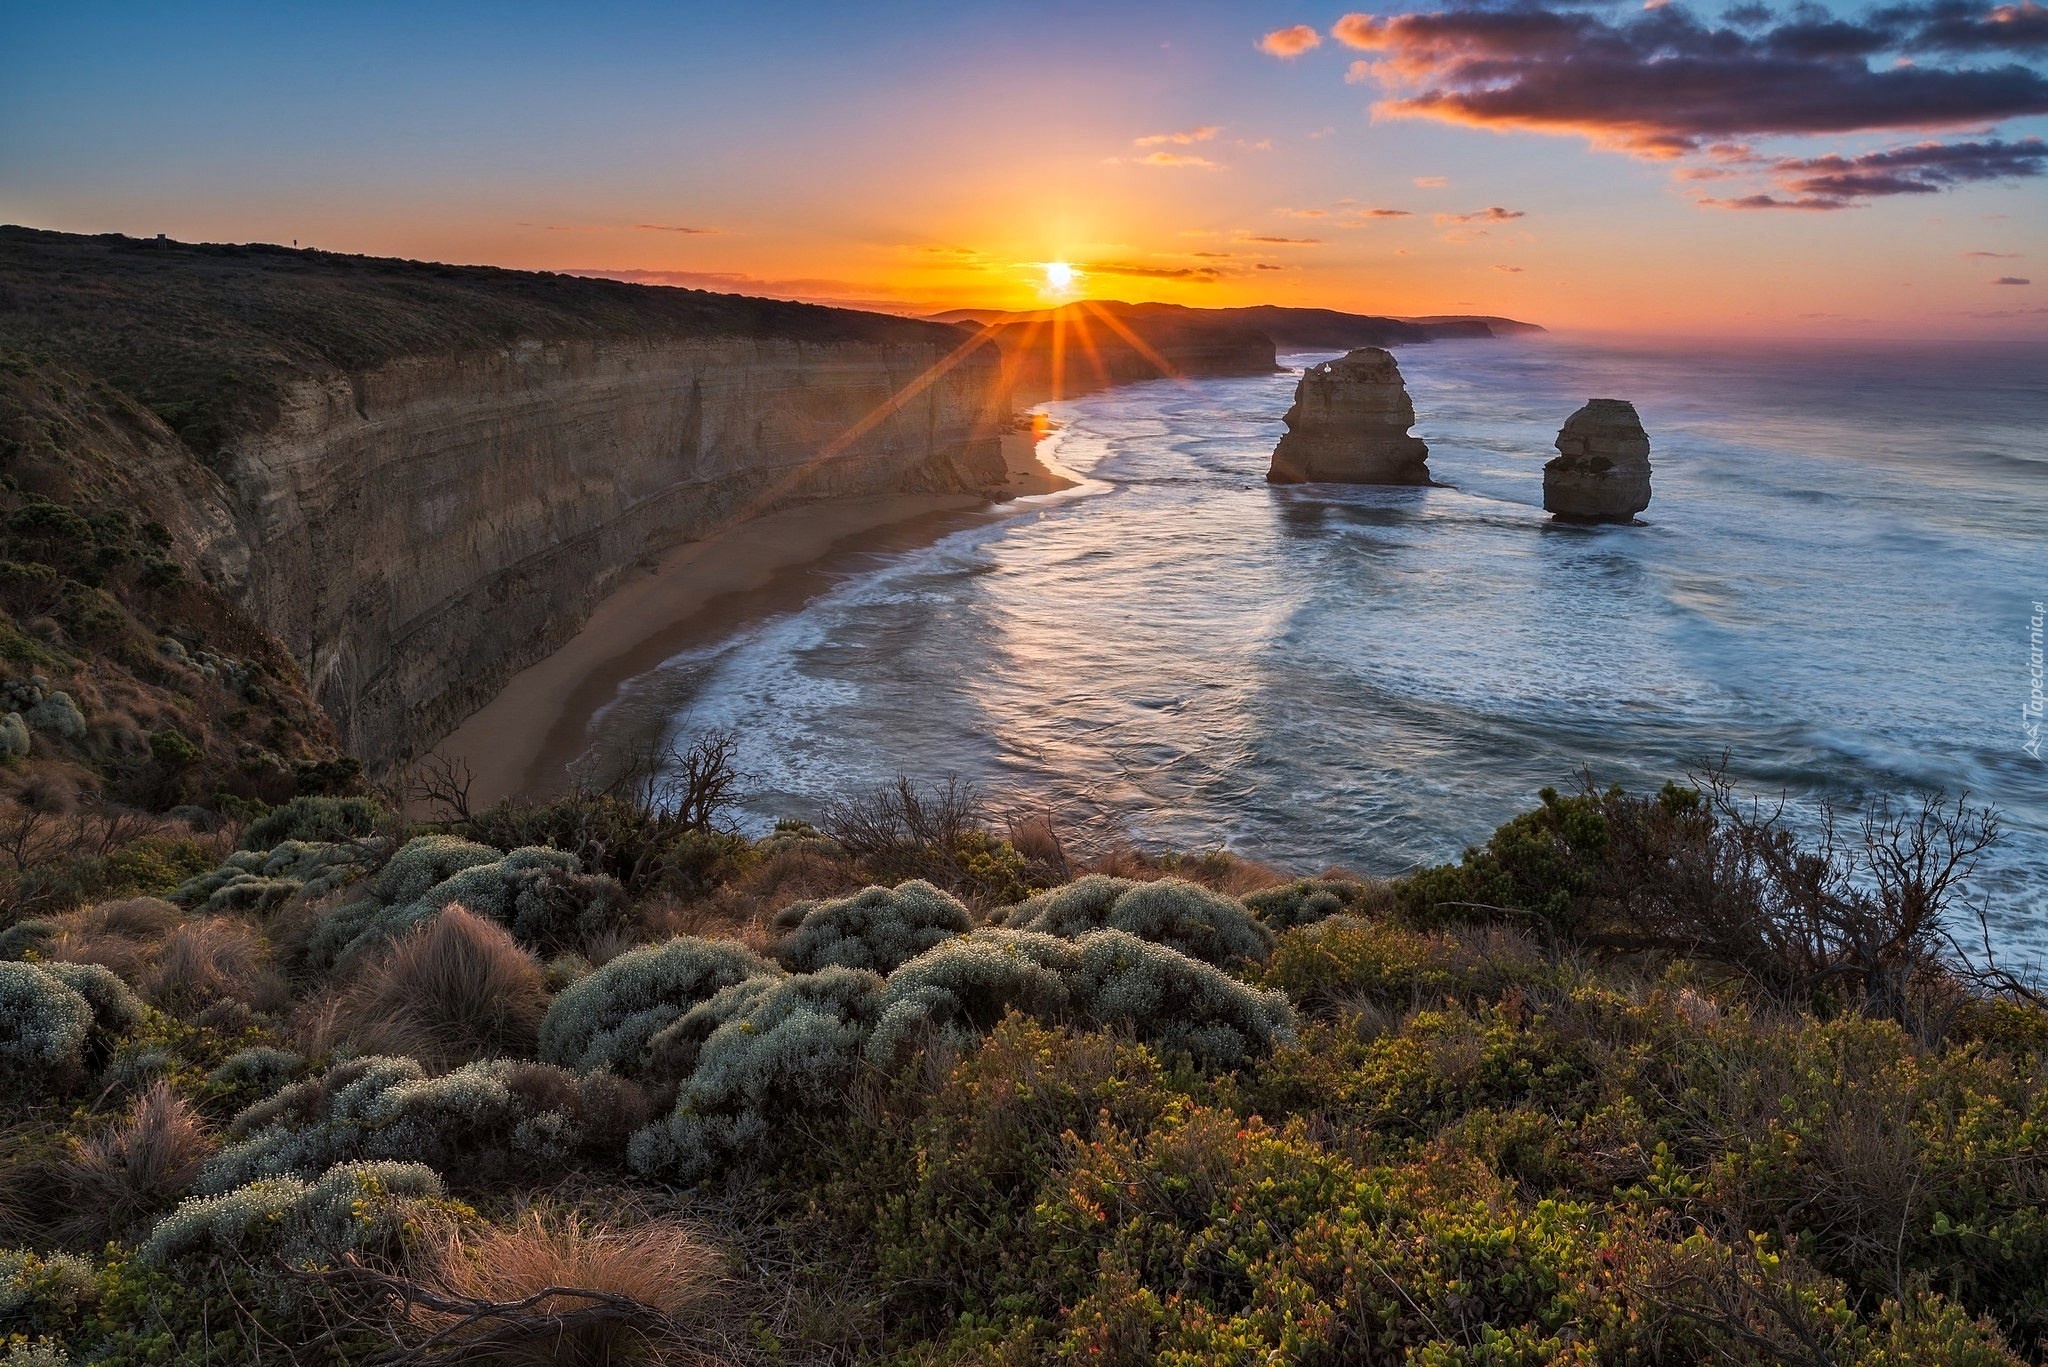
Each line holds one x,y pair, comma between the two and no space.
421,479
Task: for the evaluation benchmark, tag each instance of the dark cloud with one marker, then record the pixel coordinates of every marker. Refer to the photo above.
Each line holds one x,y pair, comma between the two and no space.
1491,214
1385,213
676,228
2012,280
1280,241
1959,26
1921,169
1994,256
1199,274
1762,201
1661,83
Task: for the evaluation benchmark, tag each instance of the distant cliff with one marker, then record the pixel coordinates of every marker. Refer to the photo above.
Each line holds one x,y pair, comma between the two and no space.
1089,346
1211,341
421,478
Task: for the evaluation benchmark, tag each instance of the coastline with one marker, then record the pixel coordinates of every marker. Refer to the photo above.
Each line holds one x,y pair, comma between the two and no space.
522,742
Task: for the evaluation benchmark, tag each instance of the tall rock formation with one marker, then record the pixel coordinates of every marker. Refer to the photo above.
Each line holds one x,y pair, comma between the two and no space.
1349,425
1602,470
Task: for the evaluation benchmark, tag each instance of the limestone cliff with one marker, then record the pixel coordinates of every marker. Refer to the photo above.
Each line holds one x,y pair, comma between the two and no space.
1349,425
421,478
1602,469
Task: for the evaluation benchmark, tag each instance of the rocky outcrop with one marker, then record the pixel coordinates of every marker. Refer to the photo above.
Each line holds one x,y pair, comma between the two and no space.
418,533
1602,470
1349,425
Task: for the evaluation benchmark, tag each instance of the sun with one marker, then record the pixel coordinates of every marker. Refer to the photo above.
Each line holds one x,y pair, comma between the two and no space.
1060,277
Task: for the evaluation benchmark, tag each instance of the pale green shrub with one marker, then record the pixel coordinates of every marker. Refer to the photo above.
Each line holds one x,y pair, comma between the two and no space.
1310,900
41,1352
57,1019
1186,916
15,741
257,880
1178,1003
257,1071
23,937
484,1123
791,1052
959,990
606,1019
876,928
351,1208
537,893
314,820
57,714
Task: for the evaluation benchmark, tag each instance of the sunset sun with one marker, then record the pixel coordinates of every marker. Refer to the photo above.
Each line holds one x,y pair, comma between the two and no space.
1060,277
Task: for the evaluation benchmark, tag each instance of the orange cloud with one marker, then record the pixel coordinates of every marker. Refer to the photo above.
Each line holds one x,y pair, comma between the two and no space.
1290,42
1280,241
1177,159
1183,138
1432,182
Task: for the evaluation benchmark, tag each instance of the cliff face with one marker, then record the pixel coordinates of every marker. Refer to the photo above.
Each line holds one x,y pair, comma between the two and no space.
418,533
421,478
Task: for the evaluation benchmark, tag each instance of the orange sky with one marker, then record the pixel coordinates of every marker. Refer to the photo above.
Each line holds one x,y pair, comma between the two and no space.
921,157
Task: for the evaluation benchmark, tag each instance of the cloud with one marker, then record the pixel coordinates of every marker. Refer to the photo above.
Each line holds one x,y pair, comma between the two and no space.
1176,159
1362,214
1509,270
1765,201
1993,256
1290,42
1924,168
1432,182
1280,241
1959,26
1491,214
1662,84
1197,274
1267,266
1182,138
677,228
2012,280
1303,213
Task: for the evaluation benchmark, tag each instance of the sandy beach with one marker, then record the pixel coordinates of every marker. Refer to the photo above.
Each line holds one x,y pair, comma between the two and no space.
523,741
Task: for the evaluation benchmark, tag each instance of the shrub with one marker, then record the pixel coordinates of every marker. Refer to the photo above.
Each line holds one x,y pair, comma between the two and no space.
960,989
662,1265
1178,1003
605,1020
118,1177
15,741
534,892
250,1074
314,820
1171,911
1309,900
257,880
455,989
787,1052
59,1020
483,1124
1342,962
360,1208
877,929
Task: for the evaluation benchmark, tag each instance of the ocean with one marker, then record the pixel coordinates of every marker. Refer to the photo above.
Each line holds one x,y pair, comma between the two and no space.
1832,587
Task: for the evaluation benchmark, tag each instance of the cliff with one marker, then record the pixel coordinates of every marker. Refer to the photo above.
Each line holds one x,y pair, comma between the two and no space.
1288,329
420,478
1088,346
1349,425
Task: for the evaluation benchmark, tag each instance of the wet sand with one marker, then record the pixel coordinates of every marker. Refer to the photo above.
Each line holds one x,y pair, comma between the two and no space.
523,742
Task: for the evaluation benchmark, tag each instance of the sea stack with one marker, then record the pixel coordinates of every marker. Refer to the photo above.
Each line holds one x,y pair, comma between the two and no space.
1602,470
1349,425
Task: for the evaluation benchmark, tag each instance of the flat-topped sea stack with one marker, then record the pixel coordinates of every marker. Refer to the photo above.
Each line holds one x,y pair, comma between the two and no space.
1602,470
1349,425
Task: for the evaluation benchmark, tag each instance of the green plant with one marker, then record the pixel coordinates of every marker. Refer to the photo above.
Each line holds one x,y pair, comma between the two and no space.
879,928
606,1019
1181,915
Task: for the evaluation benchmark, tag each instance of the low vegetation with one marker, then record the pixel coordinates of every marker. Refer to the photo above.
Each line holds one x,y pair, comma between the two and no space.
1641,1078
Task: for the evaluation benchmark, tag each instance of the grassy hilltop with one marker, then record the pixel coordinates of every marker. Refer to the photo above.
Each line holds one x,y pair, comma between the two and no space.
290,1076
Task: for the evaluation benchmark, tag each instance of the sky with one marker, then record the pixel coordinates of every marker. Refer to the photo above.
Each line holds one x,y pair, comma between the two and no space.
1726,168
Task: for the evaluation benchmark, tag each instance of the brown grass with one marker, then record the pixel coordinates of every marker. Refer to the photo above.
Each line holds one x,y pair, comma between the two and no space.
214,959
1219,870
134,1170
456,989
662,1264
122,937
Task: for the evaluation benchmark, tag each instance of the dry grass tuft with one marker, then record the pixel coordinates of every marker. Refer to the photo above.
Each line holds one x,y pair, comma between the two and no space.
457,989
1219,870
661,1265
214,959
122,937
137,1169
